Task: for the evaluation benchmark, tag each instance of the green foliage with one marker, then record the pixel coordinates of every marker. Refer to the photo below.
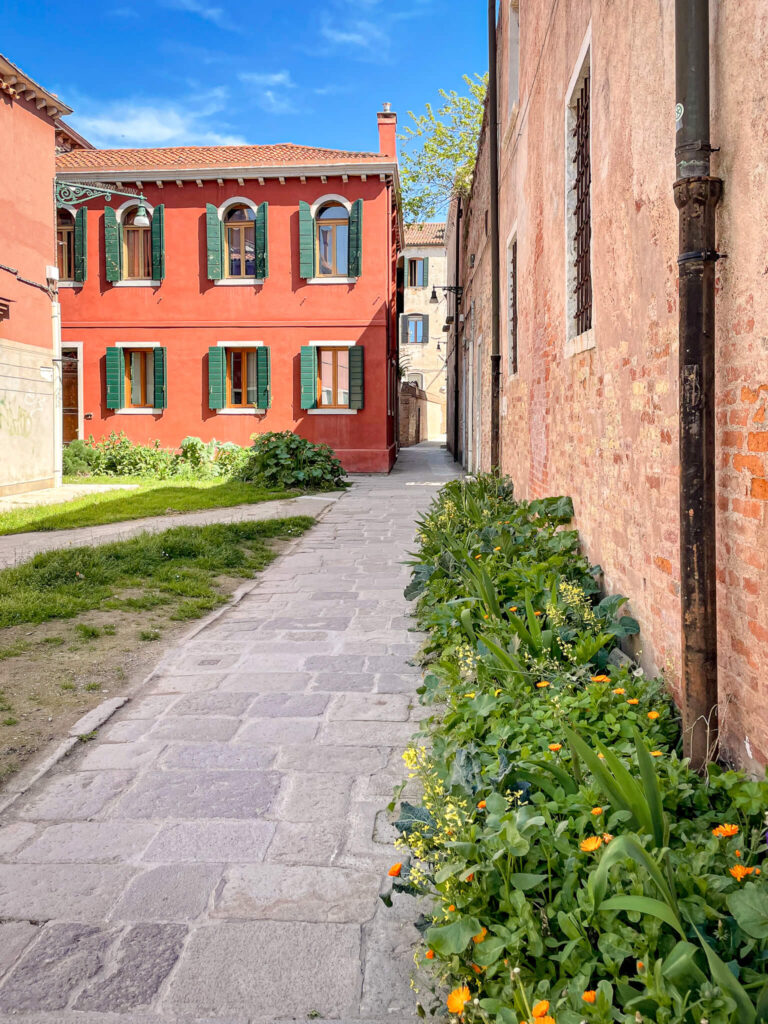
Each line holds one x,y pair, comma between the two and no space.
283,459
565,843
443,164
117,455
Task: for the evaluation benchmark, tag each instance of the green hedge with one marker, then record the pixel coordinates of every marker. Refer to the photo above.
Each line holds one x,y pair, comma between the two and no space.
579,870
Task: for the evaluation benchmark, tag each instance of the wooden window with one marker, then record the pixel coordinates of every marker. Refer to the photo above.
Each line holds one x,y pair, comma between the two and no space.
333,378
65,245
139,378
332,245
240,241
512,307
582,212
241,378
137,249
416,330
416,273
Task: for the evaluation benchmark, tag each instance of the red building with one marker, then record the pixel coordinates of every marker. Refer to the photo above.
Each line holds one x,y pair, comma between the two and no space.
253,290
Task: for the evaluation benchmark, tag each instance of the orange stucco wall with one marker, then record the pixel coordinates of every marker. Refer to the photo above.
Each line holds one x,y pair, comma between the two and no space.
188,313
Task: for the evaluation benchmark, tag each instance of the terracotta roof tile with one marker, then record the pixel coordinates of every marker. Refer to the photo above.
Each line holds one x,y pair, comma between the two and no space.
180,158
425,234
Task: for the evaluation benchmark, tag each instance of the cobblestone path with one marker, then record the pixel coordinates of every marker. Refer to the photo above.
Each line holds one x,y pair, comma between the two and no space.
216,854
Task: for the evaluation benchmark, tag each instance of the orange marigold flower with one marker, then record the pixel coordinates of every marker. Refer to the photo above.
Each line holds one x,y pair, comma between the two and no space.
452,907
656,753
589,996
456,1000
737,853
477,970
546,1020
607,837
478,556
740,872
601,755
513,607
555,746
470,877
600,679
485,616
640,965
482,805
653,715
430,954
590,844
620,690
395,870
480,937
540,1010
537,613
540,685
725,831
633,700
597,810
497,549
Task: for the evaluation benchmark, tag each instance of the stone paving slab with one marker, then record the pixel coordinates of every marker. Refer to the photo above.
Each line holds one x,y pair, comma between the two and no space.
215,854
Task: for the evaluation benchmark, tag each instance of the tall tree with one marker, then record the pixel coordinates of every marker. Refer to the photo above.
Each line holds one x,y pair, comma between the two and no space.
438,159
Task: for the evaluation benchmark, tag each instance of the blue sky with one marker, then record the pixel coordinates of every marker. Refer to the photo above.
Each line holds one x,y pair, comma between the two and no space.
206,72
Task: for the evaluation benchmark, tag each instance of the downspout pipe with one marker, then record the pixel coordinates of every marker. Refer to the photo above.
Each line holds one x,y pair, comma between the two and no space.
696,193
493,185
456,314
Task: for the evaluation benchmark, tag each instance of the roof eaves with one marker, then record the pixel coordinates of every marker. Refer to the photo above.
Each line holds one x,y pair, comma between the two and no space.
14,79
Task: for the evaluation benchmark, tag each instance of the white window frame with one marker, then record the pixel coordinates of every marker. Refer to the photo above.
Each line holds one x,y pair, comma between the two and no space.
314,207
575,343
236,282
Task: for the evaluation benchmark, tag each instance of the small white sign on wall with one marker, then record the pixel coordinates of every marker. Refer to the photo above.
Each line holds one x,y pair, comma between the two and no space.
46,372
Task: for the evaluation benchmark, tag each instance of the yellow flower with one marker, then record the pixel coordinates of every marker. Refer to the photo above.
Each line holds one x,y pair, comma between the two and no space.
656,753
480,937
456,1000
633,701
601,756
555,747
470,694
542,684
620,691
725,831
478,556
597,810
497,549
497,692
600,679
590,844
653,715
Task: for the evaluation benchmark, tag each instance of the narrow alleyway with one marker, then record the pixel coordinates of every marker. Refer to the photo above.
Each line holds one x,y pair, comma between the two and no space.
217,852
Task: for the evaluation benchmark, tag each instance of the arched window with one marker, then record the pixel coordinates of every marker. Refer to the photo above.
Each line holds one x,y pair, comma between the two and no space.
240,241
332,246
65,245
137,247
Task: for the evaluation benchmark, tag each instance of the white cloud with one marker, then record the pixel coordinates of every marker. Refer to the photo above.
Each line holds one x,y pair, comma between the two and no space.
278,78
216,15
134,123
273,90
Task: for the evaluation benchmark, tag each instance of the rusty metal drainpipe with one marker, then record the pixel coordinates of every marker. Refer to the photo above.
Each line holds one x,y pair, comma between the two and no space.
456,313
493,185
696,196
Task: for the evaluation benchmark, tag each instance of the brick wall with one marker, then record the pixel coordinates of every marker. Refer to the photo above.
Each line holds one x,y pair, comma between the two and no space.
601,425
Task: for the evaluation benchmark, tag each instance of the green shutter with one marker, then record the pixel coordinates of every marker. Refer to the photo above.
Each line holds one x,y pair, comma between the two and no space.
426,271
112,247
356,239
115,378
262,243
217,377
263,378
306,243
308,376
213,238
81,245
161,376
356,384
158,244
425,328
403,328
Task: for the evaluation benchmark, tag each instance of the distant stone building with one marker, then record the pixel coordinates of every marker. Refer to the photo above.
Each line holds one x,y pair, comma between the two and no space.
589,313
422,340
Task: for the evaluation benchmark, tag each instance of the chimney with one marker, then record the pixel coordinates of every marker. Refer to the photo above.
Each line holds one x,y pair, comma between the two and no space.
387,131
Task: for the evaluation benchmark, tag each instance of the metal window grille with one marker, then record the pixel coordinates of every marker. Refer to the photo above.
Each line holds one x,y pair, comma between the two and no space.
513,308
582,213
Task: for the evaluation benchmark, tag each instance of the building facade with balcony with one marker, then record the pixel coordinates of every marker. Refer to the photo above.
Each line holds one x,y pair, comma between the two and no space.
243,289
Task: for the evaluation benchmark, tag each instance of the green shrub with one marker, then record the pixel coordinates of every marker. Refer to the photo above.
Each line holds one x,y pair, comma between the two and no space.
285,460
573,857
117,455
79,459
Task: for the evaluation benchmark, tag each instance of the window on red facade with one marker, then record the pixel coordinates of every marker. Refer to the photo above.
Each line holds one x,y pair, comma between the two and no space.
332,241
240,239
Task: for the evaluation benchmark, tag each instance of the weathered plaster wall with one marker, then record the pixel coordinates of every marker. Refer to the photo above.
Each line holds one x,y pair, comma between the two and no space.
427,358
602,425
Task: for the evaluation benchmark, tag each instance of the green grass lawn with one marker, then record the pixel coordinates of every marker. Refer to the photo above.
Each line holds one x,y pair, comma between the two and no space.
149,499
177,567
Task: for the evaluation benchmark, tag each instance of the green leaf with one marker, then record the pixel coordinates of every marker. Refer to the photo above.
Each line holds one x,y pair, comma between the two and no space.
524,880
453,938
644,905
749,906
411,817
652,791
488,951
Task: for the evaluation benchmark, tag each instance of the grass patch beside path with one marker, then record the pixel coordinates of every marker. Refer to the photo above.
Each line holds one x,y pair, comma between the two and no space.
181,563
151,499
80,624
